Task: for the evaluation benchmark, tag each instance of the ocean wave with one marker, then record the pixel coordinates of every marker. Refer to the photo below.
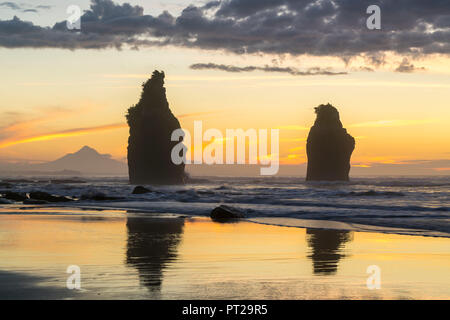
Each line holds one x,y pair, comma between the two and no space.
373,193
418,203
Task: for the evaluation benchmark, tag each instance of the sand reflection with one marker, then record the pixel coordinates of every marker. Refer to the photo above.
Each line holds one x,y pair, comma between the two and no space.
327,249
151,245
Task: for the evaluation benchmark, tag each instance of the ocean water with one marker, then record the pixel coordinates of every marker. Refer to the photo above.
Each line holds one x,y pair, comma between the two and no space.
405,205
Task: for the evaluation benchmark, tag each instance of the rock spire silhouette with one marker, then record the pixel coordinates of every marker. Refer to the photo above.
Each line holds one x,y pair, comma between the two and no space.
149,145
329,147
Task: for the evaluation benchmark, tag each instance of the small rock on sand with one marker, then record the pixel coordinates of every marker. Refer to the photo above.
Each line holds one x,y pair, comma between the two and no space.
224,212
34,201
40,195
141,190
14,196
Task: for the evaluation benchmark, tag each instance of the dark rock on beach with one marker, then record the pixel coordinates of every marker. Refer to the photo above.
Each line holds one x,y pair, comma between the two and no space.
14,196
97,196
40,195
224,212
149,145
141,190
329,147
34,201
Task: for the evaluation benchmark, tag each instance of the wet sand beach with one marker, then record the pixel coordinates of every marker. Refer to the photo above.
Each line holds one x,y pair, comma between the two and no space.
124,256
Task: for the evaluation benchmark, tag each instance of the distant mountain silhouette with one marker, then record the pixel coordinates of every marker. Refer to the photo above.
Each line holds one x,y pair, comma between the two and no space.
86,160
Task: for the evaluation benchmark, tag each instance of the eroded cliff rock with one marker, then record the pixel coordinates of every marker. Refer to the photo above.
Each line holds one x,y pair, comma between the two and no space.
329,147
149,145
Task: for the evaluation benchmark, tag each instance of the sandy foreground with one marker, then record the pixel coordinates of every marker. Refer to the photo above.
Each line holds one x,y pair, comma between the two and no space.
124,256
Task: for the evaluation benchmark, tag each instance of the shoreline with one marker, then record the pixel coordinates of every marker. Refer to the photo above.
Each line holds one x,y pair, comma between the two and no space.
55,210
168,257
403,206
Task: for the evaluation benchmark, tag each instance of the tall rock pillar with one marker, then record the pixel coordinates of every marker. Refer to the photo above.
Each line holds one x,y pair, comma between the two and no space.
329,147
149,145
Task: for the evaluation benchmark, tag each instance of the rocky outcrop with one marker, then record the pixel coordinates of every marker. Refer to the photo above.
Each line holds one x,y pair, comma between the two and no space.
329,147
44,196
16,196
33,201
97,196
149,145
224,212
141,190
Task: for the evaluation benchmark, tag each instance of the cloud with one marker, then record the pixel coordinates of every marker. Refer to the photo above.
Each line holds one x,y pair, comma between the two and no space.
20,130
195,114
296,27
24,7
402,167
45,7
296,149
61,134
407,67
293,127
363,69
362,165
289,70
293,139
441,169
17,124
390,123
10,5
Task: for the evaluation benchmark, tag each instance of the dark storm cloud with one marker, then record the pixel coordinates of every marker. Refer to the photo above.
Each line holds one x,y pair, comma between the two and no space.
315,27
292,71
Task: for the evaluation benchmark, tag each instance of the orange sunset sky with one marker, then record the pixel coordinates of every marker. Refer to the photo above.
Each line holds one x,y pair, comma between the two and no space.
54,100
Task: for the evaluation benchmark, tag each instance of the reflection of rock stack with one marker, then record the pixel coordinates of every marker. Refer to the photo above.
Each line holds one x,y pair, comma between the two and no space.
149,145
151,244
329,147
326,247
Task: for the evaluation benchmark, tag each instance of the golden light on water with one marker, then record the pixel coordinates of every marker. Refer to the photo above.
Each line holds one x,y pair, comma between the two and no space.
207,254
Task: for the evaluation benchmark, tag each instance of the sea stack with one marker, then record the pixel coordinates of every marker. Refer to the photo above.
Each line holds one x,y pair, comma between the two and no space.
329,147
149,145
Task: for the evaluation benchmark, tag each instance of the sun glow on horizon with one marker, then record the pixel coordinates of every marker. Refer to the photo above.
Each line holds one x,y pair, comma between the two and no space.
391,123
